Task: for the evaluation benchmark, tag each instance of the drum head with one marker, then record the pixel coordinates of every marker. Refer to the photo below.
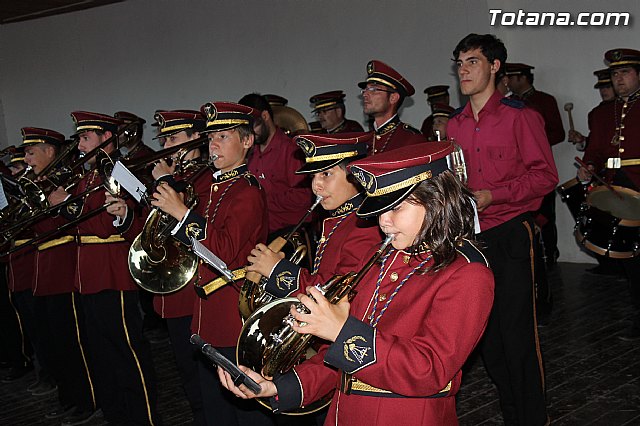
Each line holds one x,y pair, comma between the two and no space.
624,203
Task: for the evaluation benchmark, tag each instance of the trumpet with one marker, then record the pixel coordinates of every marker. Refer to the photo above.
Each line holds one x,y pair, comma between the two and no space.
38,186
267,341
167,154
105,165
159,263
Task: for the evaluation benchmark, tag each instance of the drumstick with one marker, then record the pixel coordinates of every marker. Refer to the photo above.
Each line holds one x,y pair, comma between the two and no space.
598,178
568,107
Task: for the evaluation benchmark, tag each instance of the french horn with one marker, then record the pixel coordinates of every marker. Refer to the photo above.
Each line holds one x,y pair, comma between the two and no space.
267,342
158,262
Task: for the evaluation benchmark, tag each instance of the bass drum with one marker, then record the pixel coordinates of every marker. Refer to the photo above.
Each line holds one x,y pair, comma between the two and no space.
574,194
610,223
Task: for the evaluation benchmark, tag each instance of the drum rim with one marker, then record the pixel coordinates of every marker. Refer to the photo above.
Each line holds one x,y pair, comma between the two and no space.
622,189
582,240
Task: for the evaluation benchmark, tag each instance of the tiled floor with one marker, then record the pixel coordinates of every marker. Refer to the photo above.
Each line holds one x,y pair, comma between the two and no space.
592,377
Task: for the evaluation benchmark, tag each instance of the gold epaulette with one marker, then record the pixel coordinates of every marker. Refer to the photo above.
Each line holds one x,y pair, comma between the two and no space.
93,239
56,242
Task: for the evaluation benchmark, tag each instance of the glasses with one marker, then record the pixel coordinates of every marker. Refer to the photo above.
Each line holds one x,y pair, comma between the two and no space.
372,89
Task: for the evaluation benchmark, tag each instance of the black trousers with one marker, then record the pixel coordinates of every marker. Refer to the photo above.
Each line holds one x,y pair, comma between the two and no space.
187,361
510,347
549,231
15,347
60,325
221,407
124,375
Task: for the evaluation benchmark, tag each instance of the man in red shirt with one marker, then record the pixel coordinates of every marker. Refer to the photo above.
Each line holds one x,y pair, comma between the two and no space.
274,160
510,168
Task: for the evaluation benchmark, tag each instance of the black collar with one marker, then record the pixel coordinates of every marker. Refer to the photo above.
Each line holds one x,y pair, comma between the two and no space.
240,170
348,206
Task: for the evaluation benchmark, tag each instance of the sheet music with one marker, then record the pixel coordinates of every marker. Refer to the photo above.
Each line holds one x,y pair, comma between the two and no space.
211,259
129,182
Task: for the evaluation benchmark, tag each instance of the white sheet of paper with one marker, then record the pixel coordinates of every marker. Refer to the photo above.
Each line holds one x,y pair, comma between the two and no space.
207,255
128,181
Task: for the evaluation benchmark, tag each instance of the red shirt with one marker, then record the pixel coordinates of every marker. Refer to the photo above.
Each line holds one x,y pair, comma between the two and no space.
288,194
507,153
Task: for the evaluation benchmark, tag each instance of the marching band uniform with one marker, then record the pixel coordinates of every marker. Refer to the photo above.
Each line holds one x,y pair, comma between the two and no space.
230,219
177,307
334,100
435,95
613,141
393,133
542,102
344,236
398,357
59,319
19,332
110,300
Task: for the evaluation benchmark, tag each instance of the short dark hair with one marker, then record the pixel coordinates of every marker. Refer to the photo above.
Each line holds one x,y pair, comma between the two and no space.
257,101
490,46
449,217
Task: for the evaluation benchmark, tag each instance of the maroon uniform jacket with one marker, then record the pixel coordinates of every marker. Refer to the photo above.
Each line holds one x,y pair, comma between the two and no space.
427,127
398,358
347,126
602,125
395,134
55,261
344,239
547,106
288,194
102,253
22,266
230,219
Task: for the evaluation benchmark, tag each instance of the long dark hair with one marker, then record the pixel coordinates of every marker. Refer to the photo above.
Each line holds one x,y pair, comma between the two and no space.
448,219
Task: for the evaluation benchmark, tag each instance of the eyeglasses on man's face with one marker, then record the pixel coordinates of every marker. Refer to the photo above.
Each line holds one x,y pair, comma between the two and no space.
373,89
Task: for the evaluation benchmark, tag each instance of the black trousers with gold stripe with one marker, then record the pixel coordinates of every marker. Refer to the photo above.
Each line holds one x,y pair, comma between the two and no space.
60,325
15,348
121,358
510,347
